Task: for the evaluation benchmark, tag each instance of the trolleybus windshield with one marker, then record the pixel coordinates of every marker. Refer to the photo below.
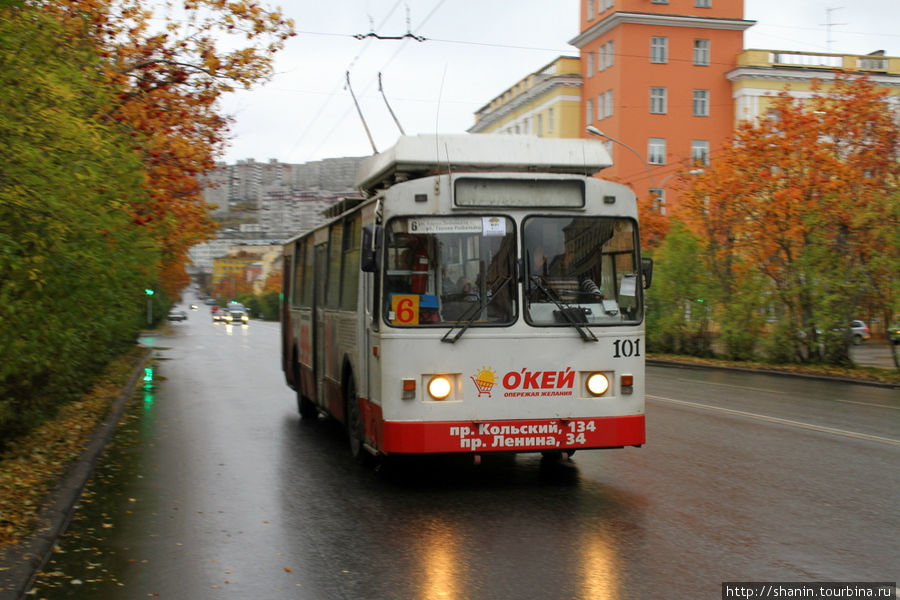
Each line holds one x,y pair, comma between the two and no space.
580,270
450,269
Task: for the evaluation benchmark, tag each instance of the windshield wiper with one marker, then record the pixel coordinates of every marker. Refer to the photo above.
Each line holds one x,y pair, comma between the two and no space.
468,317
565,310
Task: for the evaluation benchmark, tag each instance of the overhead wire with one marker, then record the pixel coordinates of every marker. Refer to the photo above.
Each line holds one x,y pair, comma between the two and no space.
338,85
372,80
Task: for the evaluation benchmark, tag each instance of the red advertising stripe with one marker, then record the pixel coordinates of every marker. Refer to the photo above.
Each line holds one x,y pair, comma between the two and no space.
512,435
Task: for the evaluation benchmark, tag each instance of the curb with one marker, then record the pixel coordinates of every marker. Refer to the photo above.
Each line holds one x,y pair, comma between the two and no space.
21,562
687,365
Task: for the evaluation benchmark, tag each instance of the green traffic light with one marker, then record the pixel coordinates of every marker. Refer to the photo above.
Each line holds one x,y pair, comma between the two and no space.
148,291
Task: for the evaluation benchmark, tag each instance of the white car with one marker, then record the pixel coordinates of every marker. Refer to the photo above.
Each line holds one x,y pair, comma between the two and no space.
860,331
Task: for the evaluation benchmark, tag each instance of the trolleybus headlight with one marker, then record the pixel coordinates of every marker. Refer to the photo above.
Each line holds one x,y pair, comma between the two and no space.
439,387
597,384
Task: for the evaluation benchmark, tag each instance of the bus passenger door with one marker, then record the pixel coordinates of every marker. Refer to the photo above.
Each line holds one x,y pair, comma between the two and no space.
371,357
321,267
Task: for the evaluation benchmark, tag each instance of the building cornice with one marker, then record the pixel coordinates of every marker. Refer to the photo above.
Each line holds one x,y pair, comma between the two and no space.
541,89
799,75
657,20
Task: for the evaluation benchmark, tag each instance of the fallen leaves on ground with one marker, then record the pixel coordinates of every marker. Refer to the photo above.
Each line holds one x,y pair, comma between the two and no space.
31,465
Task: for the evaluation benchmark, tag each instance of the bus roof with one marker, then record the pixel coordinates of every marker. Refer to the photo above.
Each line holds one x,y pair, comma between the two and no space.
427,154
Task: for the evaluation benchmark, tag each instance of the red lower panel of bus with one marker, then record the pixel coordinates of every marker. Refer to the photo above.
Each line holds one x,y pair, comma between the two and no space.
510,436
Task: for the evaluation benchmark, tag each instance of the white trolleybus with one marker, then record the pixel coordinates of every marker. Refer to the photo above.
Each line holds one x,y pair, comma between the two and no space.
486,295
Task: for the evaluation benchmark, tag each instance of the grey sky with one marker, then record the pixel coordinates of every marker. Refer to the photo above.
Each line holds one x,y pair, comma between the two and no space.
474,50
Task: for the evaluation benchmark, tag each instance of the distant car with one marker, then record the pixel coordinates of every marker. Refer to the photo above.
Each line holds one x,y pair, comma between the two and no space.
894,333
217,314
177,315
860,331
210,301
236,316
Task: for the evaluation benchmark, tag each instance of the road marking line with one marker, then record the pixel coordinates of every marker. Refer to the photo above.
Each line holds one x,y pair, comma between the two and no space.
768,419
782,392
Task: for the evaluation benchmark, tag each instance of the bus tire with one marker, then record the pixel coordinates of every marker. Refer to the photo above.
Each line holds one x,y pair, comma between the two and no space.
305,406
354,422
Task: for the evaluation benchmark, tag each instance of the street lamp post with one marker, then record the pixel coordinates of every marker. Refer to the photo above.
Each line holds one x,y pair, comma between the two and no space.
594,131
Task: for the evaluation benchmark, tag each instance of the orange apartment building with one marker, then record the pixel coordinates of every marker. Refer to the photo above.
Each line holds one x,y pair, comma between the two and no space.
654,80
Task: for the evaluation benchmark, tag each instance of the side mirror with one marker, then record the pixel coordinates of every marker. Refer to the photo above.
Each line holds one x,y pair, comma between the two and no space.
371,245
647,271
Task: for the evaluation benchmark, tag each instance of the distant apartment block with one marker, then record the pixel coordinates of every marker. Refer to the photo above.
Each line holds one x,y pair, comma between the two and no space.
279,200
247,180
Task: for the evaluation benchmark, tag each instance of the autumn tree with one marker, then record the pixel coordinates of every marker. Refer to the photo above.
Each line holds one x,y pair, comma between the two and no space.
807,198
167,80
108,116
70,255
231,286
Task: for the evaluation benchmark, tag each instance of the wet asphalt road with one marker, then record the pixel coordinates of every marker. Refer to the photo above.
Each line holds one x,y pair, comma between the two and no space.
213,488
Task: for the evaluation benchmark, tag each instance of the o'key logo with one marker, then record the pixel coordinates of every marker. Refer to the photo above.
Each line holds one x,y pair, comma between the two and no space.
485,379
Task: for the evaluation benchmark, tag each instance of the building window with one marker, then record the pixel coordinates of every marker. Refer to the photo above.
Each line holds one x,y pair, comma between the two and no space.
605,56
589,113
701,103
703,3
657,100
701,52
659,49
549,120
700,152
604,105
590,64
540,125
604,5
590,9
659,1
656,151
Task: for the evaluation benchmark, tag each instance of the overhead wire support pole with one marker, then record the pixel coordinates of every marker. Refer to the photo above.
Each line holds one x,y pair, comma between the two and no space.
361,117
393,116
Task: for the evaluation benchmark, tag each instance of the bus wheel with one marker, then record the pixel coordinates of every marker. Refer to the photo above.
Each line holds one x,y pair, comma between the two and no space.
306,407
354,423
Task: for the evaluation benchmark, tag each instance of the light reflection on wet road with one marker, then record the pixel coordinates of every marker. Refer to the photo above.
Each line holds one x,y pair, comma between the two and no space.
215,489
